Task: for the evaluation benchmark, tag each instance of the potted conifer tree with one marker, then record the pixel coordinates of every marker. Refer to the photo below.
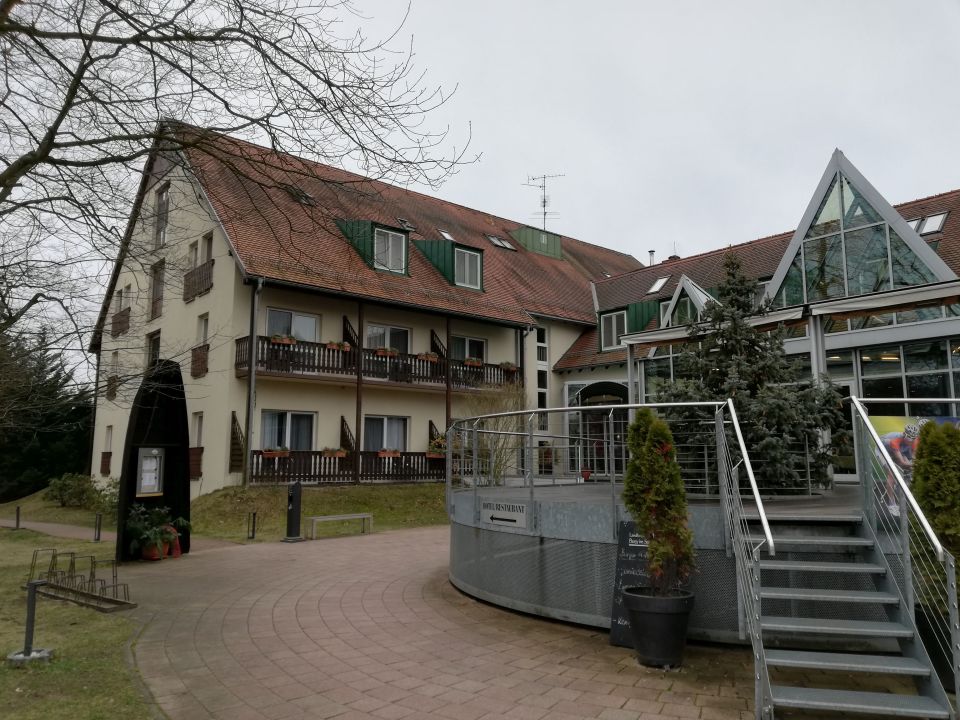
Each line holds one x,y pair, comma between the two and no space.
654,495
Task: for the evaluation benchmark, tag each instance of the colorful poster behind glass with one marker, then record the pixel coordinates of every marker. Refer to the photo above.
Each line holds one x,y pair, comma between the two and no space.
901,436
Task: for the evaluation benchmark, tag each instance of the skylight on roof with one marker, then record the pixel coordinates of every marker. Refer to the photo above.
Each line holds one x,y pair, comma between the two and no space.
914,223
445,234
658,285
934,223
500,242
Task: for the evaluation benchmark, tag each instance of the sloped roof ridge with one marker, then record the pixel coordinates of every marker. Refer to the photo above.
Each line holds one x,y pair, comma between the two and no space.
936,196
390,186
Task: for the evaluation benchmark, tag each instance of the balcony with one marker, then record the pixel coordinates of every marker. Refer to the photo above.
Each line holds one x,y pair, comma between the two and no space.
310,360
313,467
120,322
198,281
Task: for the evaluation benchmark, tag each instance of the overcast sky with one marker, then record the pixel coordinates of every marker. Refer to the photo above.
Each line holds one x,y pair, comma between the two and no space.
702,124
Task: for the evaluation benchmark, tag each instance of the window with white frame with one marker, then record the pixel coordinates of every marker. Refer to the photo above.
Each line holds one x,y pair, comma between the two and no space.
384,432
612,327
462,348
108,438
197,429
467,268
387,336
203,328
162,204
292,430
389,251
543,377
288,323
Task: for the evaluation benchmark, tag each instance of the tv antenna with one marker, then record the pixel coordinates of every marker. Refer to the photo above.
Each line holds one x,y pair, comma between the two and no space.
540,181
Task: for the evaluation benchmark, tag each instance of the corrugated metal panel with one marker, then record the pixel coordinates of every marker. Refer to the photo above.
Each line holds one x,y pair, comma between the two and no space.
538,241
640,314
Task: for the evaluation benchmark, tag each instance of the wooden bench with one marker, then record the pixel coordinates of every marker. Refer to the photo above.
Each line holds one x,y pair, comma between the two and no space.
366,521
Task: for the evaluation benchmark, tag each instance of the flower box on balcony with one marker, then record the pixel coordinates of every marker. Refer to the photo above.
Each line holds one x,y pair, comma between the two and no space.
435,455
387,352
334,453
430,357
473,362
283,340
345,346
386,453
274,453
508,367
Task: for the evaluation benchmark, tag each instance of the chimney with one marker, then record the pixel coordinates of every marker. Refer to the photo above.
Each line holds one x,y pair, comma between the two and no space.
651,257
674,257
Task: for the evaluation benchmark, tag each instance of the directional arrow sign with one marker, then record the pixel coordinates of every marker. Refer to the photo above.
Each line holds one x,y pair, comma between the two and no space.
504,513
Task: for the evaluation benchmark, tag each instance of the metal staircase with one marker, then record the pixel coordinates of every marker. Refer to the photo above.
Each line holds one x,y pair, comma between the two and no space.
830,599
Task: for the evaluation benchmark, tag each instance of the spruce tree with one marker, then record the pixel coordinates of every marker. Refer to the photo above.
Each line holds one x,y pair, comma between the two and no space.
782,415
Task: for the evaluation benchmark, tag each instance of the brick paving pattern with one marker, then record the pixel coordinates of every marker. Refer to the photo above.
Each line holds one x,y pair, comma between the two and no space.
369,627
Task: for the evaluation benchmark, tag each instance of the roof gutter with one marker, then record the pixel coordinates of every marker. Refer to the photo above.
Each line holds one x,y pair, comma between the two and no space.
251,378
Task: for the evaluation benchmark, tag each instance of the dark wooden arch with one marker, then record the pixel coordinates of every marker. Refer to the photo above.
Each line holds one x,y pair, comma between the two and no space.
158,419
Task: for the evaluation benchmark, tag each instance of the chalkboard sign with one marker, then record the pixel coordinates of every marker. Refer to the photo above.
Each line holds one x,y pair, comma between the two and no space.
631,570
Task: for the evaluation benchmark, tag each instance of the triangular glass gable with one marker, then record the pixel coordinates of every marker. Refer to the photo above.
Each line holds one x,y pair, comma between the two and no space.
857,212
827,219
850,247
908,269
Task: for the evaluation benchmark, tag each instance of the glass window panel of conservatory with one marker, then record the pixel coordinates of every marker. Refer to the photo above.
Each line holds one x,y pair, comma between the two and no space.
955,353
791,291
802,364
925,356
840,364
868,268
827,219
856,210
880,360
906,317
884,388
683,312
908,269
935,385
871,321
833,325
952,310
656,373
823,263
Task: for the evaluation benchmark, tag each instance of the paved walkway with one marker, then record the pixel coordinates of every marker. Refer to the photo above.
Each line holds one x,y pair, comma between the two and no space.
369,627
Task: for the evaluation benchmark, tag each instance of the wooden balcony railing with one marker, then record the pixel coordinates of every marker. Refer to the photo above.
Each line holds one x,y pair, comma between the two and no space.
304,359
198,281
311,467
199,360
120,322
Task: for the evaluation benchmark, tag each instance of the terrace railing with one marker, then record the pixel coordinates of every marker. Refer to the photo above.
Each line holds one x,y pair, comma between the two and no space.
316,467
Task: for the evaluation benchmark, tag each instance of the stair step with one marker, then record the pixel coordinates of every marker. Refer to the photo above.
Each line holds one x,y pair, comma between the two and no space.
847,662
851,596
807,519
857,701
827,626
809,566
838,540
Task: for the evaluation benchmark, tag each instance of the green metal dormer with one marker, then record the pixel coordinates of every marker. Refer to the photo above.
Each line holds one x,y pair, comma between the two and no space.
394,252
538,241
443,255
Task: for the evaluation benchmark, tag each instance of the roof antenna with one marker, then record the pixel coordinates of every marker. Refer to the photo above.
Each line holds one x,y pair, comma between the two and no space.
540,181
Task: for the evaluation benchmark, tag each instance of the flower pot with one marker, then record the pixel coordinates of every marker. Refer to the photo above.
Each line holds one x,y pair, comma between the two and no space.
152,552
435,455
585,473
386,353
388,453
428,358
473,363
283,341
658,624
335,453
274,453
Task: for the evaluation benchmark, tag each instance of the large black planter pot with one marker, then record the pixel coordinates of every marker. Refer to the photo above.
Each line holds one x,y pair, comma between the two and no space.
928,619
658,624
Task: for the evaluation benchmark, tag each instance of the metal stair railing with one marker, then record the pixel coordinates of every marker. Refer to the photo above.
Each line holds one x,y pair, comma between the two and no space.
923,570
740,545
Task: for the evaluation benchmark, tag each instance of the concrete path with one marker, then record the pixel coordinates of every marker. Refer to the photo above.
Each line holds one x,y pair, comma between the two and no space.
369,627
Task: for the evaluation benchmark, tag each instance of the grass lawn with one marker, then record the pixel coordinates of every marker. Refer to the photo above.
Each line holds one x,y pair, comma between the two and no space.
223,514
89,677
34,507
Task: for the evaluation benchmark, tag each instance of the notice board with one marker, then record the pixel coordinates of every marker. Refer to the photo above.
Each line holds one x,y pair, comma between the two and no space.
631,570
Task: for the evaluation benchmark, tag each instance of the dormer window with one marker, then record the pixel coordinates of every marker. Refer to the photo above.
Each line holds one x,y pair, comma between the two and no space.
658,285
501,243
612,327
467,268
389,251
934,223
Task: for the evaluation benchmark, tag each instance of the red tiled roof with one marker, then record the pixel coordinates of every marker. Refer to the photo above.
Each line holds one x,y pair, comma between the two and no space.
760,259
281,239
